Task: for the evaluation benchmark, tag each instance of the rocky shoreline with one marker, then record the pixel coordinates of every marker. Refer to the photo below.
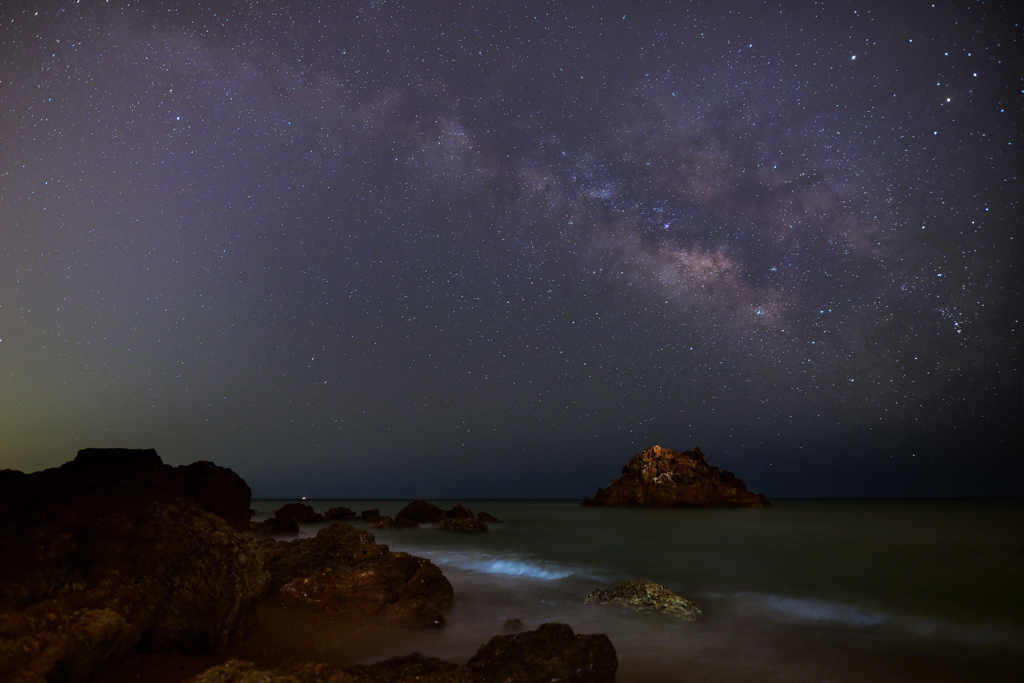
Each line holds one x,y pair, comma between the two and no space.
116,556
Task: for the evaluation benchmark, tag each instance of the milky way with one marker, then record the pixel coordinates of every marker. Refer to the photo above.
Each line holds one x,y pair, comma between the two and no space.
494,249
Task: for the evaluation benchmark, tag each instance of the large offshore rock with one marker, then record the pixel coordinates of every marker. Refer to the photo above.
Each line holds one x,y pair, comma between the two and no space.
116,549
662,477
343,569
645,596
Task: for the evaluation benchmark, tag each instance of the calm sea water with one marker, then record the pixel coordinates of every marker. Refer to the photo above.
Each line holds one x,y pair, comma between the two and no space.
804,591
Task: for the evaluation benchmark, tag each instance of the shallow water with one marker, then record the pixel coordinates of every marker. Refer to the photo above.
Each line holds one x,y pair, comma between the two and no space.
804,591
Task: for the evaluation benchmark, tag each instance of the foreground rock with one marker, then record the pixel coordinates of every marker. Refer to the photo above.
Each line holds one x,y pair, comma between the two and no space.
550,653
343,569
645,596
662,477
117,549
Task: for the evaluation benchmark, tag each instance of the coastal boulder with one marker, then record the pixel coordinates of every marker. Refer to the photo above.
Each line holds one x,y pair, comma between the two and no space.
662,477
300,513
343,569
115,549
421,512
54,641
645,596
458,518
340,514
550,653
386,522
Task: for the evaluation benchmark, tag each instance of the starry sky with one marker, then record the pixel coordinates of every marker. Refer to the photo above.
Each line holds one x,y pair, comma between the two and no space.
493,249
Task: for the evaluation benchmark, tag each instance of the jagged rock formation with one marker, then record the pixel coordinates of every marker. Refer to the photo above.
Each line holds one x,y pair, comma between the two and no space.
645,596
550,653
662,477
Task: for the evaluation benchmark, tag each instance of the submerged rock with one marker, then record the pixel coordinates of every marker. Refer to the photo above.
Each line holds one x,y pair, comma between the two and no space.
550,653
385,522
645,596
343,569
662,477
462,524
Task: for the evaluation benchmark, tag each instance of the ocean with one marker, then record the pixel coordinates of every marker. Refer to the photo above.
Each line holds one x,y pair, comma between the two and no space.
808,590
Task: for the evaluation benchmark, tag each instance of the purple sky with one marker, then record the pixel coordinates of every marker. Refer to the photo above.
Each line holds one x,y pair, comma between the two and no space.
492,249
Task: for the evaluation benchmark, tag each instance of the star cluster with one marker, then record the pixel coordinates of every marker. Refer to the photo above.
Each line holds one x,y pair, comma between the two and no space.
494,248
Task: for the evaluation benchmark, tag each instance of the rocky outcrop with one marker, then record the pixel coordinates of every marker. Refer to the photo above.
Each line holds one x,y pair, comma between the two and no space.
421,512
116,549
458,518
662,477
645,596
550,653
300,513
343,569
340,514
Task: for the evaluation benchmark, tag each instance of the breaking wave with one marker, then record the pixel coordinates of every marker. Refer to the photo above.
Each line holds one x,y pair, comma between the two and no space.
818,612
506,564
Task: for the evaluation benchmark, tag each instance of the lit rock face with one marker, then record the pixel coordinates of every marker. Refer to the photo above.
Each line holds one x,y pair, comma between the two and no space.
645,596
662,477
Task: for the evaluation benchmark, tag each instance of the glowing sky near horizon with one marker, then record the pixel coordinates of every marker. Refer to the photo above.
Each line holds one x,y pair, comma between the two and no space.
492,249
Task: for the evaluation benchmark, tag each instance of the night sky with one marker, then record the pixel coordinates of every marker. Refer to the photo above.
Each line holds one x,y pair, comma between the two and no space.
493,249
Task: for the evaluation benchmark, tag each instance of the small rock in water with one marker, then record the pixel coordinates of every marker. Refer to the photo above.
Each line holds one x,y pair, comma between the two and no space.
299,513
340,514
645,596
